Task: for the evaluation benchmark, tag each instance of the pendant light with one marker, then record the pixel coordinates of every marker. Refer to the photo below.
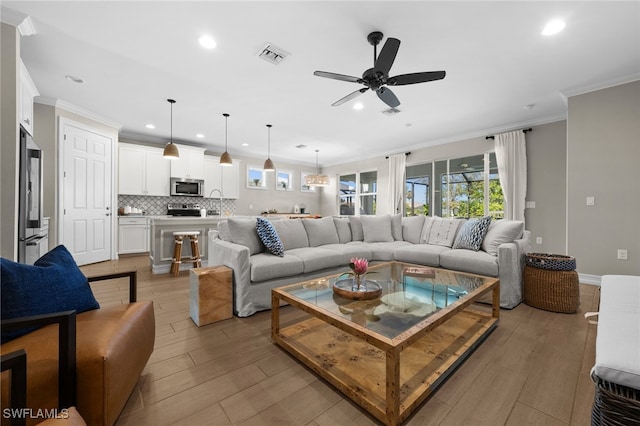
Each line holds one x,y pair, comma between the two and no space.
225,159
317,179
268,164
171,150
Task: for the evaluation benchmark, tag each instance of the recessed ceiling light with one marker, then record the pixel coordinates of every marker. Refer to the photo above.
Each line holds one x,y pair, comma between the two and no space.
74,79
245,144
553,27
358,105
207,42
199,135
150,126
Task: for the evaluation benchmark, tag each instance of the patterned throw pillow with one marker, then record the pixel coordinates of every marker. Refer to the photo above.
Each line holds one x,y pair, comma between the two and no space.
472,233
269,237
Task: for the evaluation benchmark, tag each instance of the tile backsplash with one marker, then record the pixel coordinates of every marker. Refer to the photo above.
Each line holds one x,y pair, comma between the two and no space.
157,206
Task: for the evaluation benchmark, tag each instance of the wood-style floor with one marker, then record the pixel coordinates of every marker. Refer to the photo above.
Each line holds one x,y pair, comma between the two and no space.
532,370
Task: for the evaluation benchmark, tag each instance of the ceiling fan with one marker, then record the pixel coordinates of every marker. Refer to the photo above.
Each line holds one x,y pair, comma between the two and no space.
377,78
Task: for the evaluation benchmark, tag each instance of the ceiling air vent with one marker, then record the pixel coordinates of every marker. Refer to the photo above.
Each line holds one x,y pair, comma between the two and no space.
273,54
391,111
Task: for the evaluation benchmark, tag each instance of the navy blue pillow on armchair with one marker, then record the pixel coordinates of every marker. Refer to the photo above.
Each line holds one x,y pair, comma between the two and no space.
53,284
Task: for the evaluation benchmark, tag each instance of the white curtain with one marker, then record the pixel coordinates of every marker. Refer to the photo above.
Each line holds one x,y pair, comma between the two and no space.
511,155
397,165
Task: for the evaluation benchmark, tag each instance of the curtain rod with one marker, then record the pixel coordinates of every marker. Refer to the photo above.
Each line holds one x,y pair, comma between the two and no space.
523,131
406,153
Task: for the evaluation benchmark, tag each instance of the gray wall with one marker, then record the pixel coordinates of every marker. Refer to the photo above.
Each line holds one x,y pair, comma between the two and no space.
10,43
603,161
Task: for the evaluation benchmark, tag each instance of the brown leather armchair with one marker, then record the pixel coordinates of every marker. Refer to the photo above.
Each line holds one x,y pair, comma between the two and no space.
93,359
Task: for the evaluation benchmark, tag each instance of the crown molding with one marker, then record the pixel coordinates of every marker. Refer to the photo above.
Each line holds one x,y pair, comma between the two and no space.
22,22
69,107
587,88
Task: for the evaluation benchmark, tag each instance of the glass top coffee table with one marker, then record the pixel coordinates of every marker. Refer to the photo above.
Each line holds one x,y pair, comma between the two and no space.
390,353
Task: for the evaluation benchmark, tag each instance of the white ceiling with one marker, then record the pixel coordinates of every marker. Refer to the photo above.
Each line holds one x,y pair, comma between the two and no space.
134,55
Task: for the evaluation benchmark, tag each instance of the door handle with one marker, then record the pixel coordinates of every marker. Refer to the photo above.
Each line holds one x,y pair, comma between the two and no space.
108,214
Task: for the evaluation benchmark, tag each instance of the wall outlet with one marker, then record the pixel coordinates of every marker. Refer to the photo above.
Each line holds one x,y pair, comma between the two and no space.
591,201
530,205
622,254
538,240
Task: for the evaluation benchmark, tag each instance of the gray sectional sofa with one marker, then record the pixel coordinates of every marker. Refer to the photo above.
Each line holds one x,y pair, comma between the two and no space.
318,247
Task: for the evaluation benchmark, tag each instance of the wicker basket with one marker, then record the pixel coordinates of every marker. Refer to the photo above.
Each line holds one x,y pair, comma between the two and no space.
615,405
552,262
556,291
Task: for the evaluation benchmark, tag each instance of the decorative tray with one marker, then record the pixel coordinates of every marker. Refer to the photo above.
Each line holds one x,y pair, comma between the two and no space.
344,288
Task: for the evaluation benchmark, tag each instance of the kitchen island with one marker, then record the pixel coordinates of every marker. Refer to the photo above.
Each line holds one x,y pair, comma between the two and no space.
161,244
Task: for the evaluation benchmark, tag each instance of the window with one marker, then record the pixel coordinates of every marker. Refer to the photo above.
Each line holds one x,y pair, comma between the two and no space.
463,187
357,193
256,178
284,180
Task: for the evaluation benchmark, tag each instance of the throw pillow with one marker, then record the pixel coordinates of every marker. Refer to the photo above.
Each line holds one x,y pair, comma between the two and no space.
472,233
343,229
357,234
243,232
53,284
443,231
426,229
291,233
412,228
321,231
376,229
500,232
269,237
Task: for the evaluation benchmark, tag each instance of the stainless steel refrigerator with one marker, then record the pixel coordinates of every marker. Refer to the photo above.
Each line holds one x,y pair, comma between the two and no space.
31,241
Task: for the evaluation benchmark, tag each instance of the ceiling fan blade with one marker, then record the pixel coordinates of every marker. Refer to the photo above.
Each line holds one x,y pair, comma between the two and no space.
416,77
335,76
387,96
350,96
387,56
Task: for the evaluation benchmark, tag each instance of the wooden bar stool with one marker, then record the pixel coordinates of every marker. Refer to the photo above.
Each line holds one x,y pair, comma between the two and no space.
177,250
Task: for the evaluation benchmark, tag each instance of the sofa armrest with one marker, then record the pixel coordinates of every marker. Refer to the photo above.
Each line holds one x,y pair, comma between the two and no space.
16,361
66,349
133,282
236,257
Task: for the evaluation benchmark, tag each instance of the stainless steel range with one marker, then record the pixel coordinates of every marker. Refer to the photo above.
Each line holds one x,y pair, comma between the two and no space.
179,209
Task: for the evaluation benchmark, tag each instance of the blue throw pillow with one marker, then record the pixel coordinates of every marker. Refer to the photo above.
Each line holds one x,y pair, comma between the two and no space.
472,233
269,237
53,284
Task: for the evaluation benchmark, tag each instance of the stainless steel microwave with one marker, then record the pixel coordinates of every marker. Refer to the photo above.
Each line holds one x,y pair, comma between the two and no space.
187,187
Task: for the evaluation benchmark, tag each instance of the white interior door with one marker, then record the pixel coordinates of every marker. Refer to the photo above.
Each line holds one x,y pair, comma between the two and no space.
87,193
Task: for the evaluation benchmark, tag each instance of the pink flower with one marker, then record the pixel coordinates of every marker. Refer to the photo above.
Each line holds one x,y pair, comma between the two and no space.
359,266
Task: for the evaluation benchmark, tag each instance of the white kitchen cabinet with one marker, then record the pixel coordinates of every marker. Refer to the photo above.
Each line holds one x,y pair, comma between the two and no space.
143,171
28,91
190,164
225,178
133,235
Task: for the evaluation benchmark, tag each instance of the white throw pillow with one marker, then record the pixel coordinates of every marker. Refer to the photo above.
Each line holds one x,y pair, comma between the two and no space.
500,232
443,231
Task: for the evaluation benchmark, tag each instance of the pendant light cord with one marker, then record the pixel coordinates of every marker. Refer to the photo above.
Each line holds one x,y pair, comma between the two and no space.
226,120
269,141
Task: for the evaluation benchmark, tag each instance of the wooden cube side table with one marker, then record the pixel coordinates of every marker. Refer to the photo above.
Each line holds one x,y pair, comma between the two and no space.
211,294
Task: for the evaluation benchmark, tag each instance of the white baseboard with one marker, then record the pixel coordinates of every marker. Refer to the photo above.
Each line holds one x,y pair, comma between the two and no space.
590,279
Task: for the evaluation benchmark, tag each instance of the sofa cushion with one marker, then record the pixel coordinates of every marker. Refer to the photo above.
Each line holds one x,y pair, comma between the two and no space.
349,251
472,233
343,229
269,237
384,251
396,227
376,229
357,234
477,262
500,232
321,231
412,228
53,284
422,254
264,266
443,231
243,232
317,258
292,233
426,229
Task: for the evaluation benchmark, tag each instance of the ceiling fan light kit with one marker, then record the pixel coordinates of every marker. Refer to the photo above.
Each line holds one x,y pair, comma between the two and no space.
225,158
377,78
170,150
268,164
317,180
